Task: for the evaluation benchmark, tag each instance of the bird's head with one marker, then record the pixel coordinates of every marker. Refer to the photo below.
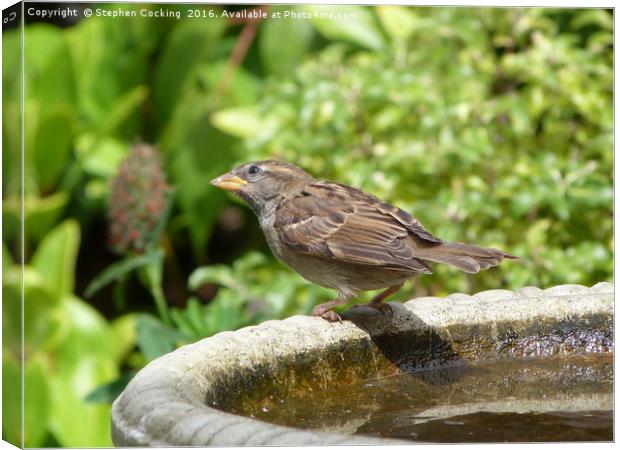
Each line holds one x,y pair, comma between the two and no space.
261,184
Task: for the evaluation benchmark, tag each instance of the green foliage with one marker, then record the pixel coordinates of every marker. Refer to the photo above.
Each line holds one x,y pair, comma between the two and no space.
356,24
69,348
253,289
156,338
284,43
492,126
120,269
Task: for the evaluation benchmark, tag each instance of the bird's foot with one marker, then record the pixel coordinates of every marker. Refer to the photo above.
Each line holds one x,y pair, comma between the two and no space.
327,314
385,308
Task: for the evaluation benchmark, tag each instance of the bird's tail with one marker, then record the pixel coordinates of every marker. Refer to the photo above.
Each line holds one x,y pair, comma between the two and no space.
468,258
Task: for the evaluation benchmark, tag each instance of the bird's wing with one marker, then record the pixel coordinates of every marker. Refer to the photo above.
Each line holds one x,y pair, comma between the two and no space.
334,221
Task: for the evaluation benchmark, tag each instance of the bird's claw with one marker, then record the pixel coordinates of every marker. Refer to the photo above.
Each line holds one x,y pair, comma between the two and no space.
329,315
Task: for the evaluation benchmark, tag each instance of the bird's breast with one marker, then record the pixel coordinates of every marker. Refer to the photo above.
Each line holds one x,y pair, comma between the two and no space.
271,235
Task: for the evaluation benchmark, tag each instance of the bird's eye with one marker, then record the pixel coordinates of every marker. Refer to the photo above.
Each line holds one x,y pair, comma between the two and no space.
253,170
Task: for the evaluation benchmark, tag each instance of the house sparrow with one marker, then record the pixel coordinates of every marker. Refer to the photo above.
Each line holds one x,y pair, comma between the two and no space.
341,237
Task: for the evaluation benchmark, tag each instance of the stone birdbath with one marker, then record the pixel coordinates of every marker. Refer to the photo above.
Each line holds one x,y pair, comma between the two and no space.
238,388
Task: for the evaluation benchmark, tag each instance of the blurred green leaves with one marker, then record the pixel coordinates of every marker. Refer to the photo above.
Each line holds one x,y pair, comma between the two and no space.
253,289
68,348
11,400
189,44
284,43
354,24
155,338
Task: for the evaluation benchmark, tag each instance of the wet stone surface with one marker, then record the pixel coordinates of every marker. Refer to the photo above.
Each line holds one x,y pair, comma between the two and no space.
535,399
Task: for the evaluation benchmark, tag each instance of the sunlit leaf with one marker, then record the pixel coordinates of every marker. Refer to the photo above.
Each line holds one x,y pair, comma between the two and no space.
100,156
123,331
36,403
56,256
244,122
75,422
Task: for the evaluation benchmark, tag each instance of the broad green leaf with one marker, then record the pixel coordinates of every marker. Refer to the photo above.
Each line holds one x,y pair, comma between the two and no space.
85,360
56,256
42,319
244,122
100,156
11,400
155,338
109,63
349,23
123,331
47,81
52,145
219,274
284,42
40,215
86,333
75,422
36,403
120,269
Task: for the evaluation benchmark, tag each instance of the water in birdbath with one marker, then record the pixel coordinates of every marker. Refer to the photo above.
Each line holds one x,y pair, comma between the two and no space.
506,400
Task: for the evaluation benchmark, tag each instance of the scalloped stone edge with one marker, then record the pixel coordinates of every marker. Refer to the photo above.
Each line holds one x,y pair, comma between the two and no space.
165,403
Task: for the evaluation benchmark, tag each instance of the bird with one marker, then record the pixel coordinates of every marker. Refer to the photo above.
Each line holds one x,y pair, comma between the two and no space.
343,238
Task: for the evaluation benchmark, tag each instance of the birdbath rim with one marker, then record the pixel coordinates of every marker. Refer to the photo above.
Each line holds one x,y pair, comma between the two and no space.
170,401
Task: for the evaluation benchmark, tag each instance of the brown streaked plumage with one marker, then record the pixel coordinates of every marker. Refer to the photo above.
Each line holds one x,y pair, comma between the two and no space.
341,237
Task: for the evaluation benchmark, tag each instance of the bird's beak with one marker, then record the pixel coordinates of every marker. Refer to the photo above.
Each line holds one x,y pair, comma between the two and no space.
229,182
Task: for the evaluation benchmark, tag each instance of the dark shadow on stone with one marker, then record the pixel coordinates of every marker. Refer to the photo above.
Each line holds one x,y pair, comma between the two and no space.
414,347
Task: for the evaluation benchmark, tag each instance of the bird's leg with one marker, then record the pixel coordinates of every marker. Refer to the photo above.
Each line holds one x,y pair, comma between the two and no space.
377,300
324,310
